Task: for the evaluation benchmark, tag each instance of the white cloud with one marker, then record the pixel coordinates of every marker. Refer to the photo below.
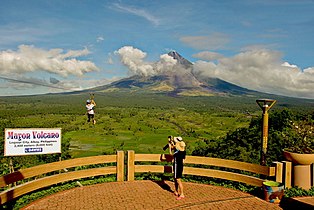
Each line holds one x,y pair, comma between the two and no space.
258,47
309,70
165,64
138,12
30,59
109,59
210,42
134,60
208,56
261,70
100,39
286,64
71,53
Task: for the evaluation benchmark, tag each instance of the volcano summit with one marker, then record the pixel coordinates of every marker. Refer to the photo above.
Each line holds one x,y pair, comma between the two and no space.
176,78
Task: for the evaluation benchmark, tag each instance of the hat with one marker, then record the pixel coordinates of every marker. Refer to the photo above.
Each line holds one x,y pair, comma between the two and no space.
88,101
180,146
179,138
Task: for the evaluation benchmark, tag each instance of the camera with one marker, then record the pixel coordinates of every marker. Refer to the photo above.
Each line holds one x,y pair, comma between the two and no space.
170,142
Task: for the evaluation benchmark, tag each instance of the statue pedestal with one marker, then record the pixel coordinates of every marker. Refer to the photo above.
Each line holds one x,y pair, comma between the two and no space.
302,169
302,176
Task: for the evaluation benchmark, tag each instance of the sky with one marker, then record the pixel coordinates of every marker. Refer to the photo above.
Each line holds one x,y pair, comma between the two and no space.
49,46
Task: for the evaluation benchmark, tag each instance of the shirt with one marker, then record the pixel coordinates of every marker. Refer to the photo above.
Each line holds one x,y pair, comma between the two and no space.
90,108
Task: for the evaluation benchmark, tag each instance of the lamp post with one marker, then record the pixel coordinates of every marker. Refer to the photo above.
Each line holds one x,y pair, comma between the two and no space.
265,105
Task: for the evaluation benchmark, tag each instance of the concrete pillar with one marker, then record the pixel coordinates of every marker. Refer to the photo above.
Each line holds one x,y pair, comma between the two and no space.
302,176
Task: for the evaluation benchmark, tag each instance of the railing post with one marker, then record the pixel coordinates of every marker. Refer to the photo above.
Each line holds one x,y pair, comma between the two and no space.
120,166
287,169
279,171
312,174
131,165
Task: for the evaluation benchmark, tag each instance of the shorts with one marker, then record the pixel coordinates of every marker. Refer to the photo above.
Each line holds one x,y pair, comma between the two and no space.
90,116
177,169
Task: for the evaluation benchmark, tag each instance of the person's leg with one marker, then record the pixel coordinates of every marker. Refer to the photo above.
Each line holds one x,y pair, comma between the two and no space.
180,188
88,117
179,182
176,193
94,121
176,187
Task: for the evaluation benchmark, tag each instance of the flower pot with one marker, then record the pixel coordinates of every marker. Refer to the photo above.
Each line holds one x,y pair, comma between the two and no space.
273,191
302,175
300,159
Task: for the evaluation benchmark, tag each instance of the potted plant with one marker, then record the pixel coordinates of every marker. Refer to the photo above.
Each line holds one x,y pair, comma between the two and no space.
299,142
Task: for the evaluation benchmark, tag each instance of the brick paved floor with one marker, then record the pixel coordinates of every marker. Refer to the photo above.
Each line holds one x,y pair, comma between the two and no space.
149,195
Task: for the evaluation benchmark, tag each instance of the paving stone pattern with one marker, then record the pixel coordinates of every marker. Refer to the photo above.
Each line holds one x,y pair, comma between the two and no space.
147,195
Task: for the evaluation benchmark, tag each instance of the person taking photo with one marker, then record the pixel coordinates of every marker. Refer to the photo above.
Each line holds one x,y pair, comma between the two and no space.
179,154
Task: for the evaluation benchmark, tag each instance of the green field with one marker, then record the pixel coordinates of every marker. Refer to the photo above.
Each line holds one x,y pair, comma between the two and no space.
227,127
146,130
133,121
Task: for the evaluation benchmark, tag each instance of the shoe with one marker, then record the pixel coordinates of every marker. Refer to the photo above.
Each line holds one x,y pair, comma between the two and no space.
180,197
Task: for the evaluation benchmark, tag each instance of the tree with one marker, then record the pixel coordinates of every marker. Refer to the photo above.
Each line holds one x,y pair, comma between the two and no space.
244,144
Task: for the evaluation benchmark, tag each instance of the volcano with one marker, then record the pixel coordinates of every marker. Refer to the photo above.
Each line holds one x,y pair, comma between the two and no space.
179,81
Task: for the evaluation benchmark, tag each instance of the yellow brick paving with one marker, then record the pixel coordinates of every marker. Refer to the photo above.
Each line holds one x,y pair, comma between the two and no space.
147,195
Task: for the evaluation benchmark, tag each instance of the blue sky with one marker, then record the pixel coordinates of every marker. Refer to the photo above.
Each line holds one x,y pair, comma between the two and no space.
263,45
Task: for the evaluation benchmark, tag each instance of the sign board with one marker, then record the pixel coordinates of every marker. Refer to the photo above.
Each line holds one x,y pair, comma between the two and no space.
32,141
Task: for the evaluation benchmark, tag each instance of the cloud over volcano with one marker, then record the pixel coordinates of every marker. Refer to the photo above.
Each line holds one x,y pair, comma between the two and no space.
262,70
256,69
134,60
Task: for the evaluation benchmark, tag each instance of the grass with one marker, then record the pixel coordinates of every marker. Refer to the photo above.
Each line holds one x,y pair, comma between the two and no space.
132,122
146,131
127,121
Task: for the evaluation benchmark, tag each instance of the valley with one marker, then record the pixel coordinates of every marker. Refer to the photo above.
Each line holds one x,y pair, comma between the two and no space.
137,121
